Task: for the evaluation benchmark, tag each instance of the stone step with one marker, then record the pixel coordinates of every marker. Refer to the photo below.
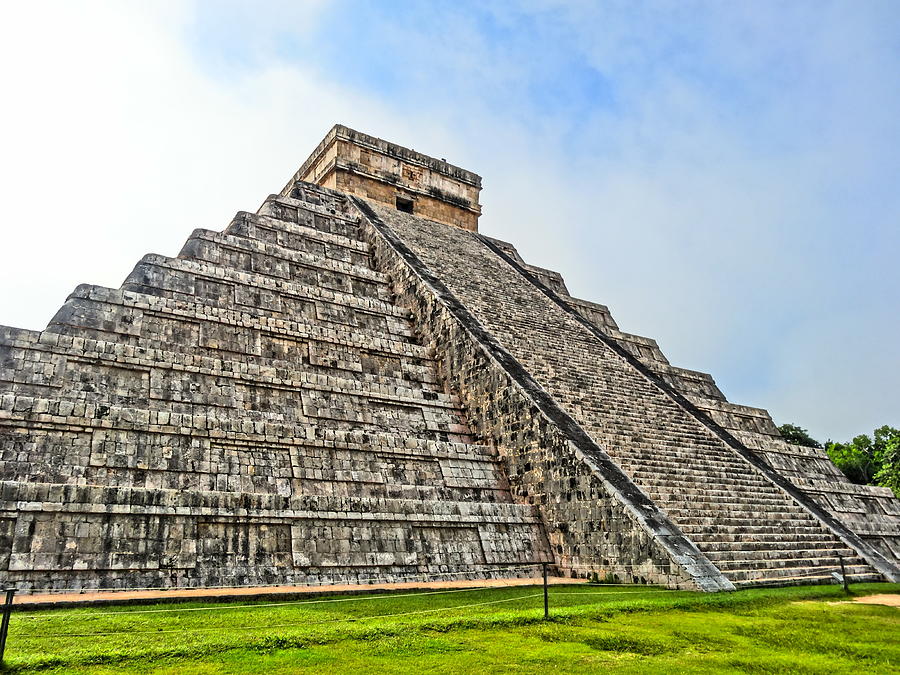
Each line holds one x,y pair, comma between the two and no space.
296,237
774,555
714,498
179,278
733,518
305,214
705,534
760,525
781,576
739,545
809,580
741,509
726,513
283,374
661,458
736,500
310,418
714,491
415,374
678,440
766,536
308,409
788,562
631,423
631,431
118,314
654,479
313,271
324,198
688,483
318,199
749,477
297,470
674,439
704,531
47,414
671,453
172,382
252,255
99,499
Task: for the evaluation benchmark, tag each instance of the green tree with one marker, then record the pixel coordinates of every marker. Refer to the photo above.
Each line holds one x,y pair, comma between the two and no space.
797,435
855,459
870,460
889,473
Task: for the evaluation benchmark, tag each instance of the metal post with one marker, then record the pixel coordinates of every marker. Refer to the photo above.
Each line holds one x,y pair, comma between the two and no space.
546,598
844,574
4,626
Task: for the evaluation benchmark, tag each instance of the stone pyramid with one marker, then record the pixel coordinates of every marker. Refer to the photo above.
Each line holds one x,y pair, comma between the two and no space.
354,385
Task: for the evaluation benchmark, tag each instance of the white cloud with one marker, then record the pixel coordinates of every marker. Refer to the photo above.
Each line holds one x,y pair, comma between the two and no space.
732,202
735,202
115,144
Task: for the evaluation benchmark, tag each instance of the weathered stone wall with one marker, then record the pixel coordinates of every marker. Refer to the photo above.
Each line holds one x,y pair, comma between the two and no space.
359,164
308,398
740,516
871,513
257,410
596,520
424,204
67,536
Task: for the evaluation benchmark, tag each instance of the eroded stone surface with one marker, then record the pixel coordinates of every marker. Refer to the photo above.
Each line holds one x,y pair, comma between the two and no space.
256,410
750,529
334,391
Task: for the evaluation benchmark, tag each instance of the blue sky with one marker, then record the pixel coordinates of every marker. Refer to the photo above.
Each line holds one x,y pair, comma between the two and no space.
723,175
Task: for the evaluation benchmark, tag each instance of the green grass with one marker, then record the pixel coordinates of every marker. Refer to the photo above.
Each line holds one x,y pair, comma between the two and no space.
628,630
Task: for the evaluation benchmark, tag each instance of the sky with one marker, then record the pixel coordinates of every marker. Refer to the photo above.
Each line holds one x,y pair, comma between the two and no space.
725,176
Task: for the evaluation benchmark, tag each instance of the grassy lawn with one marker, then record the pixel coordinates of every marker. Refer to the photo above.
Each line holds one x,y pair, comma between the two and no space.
622,629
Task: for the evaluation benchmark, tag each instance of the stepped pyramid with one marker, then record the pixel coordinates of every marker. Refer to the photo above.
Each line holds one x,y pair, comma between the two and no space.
353,384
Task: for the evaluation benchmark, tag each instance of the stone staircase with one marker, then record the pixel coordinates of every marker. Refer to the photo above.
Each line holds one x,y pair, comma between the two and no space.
255,410
748,527
751,529
871,512
332,390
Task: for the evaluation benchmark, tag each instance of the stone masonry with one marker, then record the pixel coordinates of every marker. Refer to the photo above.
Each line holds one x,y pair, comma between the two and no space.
358,164
338,389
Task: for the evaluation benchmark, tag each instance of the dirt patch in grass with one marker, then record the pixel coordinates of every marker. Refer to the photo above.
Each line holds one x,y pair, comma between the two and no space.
487,631
888,599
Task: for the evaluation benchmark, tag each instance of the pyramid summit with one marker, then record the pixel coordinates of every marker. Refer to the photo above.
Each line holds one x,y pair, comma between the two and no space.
353,384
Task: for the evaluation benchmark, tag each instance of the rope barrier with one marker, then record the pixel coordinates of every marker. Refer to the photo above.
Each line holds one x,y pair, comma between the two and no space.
825,573
661,590
358,579
345,619
226,607
361,580
387,580
291,625
170,610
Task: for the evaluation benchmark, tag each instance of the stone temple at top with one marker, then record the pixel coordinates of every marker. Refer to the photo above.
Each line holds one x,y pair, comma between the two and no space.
353,384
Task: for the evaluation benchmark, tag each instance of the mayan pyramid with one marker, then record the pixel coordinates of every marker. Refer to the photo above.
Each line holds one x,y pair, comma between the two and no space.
353,384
